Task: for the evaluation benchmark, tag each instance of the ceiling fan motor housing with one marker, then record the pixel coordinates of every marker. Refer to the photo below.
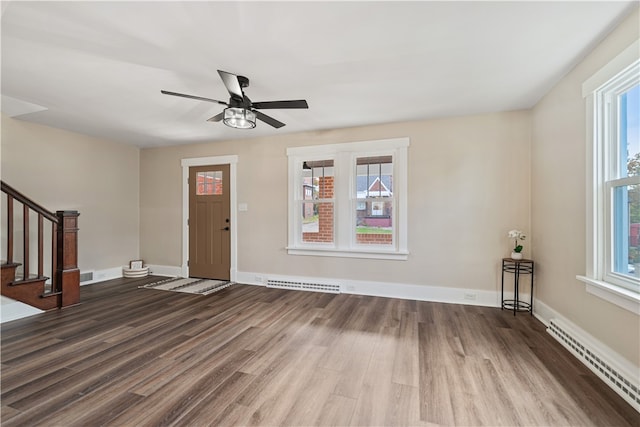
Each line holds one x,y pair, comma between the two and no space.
244,82
236,101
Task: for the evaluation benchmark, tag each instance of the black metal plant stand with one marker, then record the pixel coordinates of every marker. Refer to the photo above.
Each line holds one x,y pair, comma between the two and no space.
517,267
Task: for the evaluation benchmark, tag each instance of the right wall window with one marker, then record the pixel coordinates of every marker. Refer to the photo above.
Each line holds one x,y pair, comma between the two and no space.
622,204
613,234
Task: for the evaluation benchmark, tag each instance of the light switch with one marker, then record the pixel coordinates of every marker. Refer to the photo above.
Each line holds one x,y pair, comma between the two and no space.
243,207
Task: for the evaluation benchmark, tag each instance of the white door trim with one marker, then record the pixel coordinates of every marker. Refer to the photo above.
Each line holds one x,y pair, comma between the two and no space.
232,161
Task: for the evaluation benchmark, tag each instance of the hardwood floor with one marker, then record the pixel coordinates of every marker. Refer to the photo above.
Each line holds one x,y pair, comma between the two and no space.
256,356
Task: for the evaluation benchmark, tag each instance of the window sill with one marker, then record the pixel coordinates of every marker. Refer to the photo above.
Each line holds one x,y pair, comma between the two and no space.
614,294
398,256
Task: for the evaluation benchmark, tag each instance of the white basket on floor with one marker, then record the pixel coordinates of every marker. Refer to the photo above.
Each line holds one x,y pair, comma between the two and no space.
135,272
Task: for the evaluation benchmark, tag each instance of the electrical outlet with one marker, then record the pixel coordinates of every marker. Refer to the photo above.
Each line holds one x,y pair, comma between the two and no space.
470,296
258,279
351,288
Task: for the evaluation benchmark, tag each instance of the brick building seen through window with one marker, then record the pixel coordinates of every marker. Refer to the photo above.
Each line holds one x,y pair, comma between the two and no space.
373,202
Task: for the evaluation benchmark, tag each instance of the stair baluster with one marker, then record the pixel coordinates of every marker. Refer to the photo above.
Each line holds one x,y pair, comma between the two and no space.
65,275
9,229
25,242
55,287
40,245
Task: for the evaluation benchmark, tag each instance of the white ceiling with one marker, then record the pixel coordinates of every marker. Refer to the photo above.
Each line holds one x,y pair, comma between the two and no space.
98,67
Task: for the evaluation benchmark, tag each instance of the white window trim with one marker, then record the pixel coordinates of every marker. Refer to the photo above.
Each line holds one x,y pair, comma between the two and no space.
614,294
597,197
344,155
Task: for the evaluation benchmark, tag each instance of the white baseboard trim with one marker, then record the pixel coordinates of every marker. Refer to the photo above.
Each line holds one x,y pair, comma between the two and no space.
384,289
617,372
165,270
363,287
176,271
183,271
543,312
103,275
116,273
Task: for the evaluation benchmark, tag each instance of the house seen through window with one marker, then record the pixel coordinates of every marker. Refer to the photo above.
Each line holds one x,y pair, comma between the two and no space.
374,195
349,199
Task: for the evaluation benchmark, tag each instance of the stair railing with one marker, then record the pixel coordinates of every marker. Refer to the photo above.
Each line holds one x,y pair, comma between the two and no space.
65,277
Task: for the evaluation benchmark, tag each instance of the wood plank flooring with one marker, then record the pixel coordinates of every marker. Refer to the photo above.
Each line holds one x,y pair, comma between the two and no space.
254,356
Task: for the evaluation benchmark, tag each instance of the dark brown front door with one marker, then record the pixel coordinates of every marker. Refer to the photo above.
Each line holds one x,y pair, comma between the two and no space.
209,226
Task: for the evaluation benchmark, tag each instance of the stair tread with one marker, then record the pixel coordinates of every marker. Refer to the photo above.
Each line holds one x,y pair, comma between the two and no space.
50,294
31,279
5,264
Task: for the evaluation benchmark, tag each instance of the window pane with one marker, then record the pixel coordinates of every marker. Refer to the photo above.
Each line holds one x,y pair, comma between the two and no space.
209,183
629,132
626,215
374,177
317,179
374,205
317,222
374,224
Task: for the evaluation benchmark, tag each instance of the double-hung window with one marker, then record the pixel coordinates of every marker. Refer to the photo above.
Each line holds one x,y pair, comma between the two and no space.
349,199
613,256
622,185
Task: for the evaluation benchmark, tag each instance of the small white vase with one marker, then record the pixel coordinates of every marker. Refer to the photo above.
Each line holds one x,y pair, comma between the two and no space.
516,255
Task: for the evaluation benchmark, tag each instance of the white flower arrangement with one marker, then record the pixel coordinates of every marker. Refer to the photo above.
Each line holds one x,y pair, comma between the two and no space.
517,235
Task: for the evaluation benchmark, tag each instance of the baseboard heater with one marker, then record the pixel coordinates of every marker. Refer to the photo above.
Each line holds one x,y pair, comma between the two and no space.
622,384
303,286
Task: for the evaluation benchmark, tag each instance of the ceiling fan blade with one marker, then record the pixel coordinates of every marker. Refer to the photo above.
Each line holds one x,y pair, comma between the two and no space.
199,98
268,120
231,83
299,103
216,118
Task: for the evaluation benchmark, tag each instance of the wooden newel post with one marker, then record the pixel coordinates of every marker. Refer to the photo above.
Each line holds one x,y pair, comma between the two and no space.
68,274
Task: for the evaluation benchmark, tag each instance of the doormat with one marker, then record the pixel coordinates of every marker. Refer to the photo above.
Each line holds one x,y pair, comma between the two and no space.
189,285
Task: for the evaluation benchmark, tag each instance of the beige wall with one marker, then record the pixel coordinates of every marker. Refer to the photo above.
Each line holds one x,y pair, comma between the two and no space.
468,185
470,180
558,203
67,171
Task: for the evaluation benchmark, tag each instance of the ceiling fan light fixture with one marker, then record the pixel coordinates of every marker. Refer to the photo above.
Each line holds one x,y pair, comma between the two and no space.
239,118
241,113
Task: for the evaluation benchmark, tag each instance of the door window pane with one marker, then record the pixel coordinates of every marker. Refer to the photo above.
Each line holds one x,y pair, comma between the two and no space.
209,183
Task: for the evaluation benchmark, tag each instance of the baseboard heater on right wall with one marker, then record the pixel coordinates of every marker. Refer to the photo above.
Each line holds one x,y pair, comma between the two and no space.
624,384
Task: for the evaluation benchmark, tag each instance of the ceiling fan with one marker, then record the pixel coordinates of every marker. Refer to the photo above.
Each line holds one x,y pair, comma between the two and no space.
241,113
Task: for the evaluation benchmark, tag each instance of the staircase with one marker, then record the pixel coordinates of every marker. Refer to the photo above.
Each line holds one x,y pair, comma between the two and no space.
61,286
